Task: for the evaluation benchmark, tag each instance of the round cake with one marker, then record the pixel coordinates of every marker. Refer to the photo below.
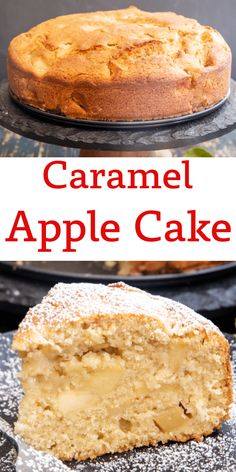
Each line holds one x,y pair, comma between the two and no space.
120,65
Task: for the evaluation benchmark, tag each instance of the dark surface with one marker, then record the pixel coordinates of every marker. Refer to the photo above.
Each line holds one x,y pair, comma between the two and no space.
14,145
8,453
17,16
217,453
216,298
98,272
212,126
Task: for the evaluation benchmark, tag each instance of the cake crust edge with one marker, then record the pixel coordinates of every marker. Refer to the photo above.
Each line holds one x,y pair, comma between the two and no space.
134,97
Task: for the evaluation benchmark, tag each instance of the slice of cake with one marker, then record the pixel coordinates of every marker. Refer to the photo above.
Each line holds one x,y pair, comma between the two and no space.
108,368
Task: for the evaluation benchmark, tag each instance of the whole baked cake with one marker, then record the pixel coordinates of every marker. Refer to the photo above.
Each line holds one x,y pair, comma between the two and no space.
109,368
120,65
159,267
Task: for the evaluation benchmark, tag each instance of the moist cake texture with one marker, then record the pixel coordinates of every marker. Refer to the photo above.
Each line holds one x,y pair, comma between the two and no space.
120,65
109,368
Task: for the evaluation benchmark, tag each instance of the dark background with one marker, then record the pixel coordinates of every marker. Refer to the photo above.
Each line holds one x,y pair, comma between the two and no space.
17,16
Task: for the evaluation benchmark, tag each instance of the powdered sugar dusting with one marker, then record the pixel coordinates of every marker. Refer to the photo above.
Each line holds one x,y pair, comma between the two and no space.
10,390
216,453
66,303
8,454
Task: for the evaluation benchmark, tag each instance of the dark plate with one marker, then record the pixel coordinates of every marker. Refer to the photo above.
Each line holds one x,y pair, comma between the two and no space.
60,119
217,453
95,272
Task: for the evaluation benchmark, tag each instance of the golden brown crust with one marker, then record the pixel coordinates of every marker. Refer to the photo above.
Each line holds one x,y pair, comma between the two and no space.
77,303
120,65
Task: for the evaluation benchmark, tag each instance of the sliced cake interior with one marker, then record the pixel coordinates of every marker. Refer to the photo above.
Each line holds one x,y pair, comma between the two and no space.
106,369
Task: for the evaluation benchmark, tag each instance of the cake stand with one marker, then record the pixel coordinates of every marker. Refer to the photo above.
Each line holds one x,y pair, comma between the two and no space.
107,141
